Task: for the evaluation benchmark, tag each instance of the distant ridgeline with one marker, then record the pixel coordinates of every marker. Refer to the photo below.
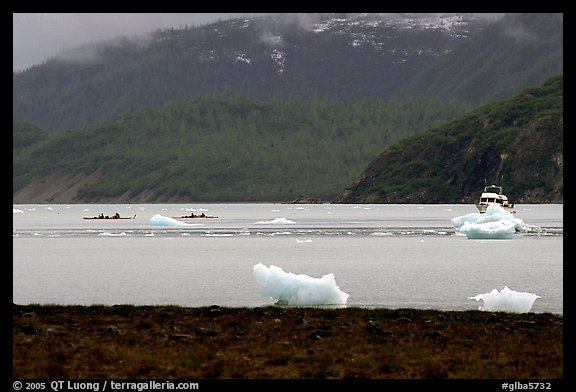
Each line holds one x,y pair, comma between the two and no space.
473,58
519,140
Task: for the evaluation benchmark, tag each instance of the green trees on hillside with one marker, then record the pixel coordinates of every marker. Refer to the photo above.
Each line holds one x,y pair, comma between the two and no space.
25,133
520,139
234,148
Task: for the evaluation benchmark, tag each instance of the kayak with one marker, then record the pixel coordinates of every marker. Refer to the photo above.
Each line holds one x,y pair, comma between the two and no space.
194,217
109,217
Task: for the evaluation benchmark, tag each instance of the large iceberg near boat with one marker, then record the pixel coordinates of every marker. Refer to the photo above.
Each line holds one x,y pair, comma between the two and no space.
495,223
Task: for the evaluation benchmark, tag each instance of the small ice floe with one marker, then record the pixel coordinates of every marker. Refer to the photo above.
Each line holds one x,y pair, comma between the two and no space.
506,301
277,221
109,234
287,288
381,233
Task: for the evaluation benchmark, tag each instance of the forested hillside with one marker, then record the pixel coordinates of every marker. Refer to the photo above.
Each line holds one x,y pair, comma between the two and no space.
518,141
217,149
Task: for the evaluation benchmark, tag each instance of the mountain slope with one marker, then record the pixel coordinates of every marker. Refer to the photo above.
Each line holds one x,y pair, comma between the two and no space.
517,51
518,139
345,57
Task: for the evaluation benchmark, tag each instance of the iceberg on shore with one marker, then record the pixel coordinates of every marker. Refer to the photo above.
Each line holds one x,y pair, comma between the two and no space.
287,288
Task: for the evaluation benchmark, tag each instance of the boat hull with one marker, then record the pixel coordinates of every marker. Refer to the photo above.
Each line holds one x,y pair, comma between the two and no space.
482,207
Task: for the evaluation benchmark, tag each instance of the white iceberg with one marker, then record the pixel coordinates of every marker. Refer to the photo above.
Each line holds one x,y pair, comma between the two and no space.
277,221
506,301
287,288
495,223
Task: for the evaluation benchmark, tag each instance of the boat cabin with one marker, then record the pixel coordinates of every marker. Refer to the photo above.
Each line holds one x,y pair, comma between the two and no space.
493,195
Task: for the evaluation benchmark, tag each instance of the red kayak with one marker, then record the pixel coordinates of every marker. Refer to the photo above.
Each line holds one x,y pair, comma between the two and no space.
108,217
194,216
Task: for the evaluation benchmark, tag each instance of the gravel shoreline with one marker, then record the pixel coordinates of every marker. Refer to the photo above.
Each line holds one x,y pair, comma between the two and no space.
208,343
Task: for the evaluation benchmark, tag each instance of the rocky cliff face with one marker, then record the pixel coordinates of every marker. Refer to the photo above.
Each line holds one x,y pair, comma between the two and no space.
517,143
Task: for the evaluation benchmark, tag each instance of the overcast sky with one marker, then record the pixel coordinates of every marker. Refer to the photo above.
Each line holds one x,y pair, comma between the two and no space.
39,37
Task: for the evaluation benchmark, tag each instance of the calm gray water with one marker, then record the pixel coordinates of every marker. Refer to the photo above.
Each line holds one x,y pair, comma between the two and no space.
396,256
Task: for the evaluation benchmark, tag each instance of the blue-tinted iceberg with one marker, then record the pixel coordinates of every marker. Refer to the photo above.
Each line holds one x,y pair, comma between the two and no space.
495,223
506,301
160,220
500,230
287,288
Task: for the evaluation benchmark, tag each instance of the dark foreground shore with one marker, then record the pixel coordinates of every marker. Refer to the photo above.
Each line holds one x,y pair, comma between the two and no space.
170,342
